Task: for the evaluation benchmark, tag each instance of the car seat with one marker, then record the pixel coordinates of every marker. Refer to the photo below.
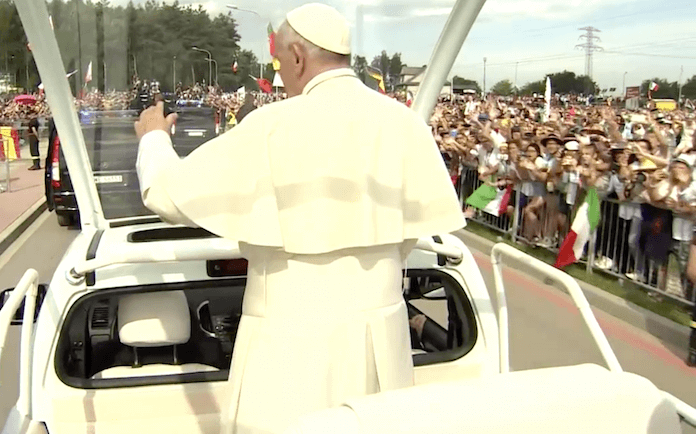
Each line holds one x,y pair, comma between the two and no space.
155,319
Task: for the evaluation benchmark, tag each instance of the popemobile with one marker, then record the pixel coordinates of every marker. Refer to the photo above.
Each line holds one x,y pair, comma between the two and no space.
136,329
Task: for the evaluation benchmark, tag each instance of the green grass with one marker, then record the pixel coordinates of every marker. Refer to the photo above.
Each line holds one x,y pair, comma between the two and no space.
628,291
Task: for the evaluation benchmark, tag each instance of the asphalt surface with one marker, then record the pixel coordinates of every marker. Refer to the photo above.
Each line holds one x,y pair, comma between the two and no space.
545,328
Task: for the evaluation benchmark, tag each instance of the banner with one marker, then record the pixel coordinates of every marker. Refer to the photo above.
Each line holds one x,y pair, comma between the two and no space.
10,144
633,92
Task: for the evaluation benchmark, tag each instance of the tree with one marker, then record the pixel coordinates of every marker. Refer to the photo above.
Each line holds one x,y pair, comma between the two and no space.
503,87
562,82
534,87
665,88
135,36
381,62
568,82
689,88
359,65
466,83
395,67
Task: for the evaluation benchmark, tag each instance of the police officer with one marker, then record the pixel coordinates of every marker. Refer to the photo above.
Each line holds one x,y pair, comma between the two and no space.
34,140
326,193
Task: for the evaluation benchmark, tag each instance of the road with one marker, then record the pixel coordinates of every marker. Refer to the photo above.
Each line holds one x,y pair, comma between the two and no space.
545,328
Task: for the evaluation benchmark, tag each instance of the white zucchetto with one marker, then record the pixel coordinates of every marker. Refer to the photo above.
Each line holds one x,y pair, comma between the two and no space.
321,25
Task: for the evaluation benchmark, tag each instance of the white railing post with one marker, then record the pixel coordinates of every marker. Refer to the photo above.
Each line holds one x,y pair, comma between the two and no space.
570,285
501,301
27,286
687,412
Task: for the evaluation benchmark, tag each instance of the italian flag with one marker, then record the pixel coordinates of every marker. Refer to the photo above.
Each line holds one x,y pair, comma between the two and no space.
585,223
271,39
653,86
490,200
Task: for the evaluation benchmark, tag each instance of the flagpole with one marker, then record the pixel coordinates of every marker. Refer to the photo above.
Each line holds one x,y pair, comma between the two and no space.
680,85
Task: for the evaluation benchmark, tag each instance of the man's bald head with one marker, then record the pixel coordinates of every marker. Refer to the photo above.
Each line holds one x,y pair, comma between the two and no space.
301,60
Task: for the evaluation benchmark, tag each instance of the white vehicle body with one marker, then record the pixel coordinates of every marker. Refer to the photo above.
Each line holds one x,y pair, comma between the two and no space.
105,261
190,407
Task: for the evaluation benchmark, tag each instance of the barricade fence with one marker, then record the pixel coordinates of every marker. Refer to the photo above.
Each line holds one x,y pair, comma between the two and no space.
623,244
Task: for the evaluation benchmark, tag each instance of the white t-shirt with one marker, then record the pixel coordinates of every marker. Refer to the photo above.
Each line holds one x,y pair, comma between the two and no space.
535,188
486,158
573,180
683,229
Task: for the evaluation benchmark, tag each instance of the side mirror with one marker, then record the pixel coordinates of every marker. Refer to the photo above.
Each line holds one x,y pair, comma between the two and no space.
19,315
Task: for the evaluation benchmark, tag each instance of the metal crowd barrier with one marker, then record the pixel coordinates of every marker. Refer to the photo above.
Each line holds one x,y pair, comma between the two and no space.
613,248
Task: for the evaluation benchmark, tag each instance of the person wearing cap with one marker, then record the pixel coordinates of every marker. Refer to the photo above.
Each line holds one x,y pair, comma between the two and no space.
569,184
554,216
326,225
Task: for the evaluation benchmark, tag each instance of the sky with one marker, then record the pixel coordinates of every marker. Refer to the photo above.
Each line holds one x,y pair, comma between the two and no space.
523,40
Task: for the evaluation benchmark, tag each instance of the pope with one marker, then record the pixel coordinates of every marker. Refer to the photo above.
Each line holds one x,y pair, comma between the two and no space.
326,193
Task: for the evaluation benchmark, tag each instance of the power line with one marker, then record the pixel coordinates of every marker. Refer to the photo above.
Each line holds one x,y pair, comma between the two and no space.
649,55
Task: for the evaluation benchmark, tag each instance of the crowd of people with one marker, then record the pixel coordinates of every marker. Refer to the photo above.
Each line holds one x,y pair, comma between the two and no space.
12,111
35,105
640,163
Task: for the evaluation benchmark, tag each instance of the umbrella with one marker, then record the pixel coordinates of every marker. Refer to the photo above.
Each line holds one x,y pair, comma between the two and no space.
25,99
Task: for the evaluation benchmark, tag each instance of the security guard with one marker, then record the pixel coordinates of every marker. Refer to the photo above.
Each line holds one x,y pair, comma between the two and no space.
326,193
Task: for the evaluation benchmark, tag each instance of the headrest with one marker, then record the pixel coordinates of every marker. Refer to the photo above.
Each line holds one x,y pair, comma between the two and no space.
572,400
155,319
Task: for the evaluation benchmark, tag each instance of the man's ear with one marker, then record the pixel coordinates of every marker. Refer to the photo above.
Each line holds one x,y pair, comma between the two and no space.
298,57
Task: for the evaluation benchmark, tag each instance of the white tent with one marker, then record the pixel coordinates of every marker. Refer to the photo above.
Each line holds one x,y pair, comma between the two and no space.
277,81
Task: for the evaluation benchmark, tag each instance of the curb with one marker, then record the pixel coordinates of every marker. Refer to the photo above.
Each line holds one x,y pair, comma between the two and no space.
660,327
10,235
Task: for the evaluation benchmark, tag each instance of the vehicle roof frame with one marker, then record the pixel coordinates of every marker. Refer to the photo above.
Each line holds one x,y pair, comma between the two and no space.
36,23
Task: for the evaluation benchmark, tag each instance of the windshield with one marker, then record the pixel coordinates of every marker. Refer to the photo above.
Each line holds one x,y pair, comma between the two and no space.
204,59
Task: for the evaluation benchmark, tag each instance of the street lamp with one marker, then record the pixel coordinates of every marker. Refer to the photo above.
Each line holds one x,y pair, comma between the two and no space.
216,69
484,77
237,8
210,64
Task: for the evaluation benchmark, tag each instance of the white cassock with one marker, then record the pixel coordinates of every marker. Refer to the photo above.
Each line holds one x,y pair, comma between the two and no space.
326,193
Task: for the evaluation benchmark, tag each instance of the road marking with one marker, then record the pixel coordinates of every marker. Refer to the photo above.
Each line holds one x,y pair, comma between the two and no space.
17,244
611,326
